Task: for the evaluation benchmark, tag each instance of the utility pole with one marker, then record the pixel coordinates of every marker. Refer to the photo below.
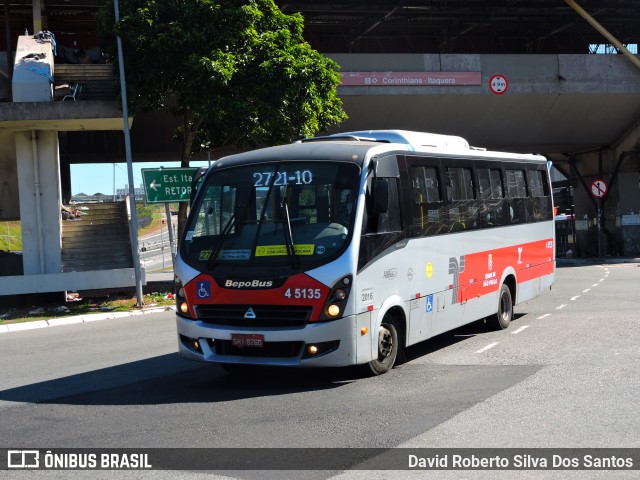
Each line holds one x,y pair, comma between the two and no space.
127,148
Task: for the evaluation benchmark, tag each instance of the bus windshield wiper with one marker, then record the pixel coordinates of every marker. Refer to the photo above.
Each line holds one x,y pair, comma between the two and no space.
223,237
286,222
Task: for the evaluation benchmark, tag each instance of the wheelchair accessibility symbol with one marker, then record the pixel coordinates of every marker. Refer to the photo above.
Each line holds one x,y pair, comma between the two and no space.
204,289
429,303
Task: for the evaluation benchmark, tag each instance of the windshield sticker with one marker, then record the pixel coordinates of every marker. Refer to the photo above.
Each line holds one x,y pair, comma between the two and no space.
320,249
276,250
189,236
204,255
234,254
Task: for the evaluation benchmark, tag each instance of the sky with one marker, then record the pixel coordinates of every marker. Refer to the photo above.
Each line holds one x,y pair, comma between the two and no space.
95,178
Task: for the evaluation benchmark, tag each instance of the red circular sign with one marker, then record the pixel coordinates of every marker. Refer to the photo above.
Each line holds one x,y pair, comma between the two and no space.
598,188
498,84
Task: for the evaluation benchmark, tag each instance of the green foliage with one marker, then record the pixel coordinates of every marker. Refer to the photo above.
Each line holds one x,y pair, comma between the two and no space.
10,236
238,72
147,210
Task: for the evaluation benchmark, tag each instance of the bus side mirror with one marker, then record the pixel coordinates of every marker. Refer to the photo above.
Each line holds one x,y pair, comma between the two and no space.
380,196
195,183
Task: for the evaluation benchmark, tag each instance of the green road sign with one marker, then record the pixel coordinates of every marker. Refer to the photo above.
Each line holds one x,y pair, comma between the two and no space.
164,185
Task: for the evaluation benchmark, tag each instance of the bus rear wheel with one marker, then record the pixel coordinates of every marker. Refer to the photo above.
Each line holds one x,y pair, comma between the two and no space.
504,315
388,347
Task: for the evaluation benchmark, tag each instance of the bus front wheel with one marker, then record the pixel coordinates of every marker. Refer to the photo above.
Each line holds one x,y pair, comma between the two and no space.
503,317
388,347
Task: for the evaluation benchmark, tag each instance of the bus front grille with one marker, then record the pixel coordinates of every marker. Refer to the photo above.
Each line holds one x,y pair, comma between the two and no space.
254,316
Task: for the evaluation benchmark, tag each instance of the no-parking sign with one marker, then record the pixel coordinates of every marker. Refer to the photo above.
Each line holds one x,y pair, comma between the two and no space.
498,84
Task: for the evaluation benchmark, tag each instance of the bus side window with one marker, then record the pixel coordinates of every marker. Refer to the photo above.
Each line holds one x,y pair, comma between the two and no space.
390,221
517,188
491,198
460,196
428,214
540,198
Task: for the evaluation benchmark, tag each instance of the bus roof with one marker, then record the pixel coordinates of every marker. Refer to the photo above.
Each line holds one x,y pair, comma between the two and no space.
415,139
354,146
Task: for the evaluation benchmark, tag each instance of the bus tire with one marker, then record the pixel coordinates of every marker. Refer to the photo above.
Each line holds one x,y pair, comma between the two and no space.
388,348
504,315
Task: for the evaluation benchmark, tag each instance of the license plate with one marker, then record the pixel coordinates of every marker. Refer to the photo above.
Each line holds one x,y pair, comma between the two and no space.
247,340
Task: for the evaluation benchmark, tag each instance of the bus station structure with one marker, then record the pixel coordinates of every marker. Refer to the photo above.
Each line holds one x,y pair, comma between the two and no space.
536,77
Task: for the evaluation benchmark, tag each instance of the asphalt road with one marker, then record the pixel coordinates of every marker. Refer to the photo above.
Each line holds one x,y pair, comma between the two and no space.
565,374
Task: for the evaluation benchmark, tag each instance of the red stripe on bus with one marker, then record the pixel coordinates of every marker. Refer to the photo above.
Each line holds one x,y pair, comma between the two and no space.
483,270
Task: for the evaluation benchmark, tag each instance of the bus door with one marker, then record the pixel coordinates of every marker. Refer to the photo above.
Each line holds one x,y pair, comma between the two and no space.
428,220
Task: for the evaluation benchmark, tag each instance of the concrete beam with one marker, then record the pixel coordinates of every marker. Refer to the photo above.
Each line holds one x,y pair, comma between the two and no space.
58,282
62,116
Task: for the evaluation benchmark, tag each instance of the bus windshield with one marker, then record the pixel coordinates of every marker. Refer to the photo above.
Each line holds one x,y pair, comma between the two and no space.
272,214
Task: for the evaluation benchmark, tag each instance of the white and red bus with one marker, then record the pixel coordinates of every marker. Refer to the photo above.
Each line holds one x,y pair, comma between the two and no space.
345,249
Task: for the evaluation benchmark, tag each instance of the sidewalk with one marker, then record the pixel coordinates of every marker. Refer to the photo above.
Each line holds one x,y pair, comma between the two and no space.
156,279
91,317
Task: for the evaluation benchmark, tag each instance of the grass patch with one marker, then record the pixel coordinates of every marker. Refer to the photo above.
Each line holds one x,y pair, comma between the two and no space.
10,236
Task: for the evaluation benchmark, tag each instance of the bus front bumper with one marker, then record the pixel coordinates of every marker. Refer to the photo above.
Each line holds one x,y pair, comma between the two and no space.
322,344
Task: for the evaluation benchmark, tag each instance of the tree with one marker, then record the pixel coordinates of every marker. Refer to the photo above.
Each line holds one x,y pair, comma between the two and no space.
236,72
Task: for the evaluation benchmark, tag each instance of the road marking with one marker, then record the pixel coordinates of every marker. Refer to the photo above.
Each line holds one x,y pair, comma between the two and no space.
519,330
601,280
585,291
484,349
595,284
574,298
561,306
543,316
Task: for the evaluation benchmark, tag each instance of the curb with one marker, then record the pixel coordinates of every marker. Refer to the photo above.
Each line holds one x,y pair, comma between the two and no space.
93,317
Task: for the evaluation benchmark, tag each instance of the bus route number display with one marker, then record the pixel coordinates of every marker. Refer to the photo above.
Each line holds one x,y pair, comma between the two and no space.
299,177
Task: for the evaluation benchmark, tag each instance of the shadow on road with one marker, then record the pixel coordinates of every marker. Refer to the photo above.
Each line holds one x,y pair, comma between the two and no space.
138,383
168,379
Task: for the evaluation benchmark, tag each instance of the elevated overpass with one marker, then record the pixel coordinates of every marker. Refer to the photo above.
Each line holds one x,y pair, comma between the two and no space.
553,104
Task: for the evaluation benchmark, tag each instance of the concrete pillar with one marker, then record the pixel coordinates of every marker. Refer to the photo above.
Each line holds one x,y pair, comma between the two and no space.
38,165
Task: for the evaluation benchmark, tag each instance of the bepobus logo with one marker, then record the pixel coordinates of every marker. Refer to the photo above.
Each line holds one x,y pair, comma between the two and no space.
23,459
248,284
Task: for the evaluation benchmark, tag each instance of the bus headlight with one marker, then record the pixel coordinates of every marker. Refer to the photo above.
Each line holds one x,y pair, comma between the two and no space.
337,299
182,307
333,310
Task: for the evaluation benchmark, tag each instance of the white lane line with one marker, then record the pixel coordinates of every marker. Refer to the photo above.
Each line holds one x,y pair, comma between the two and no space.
575,298
484,349
515,332
595,284
561,306
585,291
543,316
601,280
